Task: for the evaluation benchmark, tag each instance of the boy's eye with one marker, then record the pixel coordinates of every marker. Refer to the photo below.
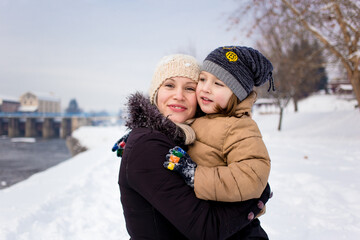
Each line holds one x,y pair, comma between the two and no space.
202,79
219,84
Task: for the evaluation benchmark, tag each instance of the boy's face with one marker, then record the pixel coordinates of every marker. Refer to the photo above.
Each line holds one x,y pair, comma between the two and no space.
212,92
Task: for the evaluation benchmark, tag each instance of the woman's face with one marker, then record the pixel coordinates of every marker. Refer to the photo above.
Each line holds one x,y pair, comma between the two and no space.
176,99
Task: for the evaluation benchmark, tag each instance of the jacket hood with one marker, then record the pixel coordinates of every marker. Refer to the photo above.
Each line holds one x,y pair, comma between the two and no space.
245,105
142,114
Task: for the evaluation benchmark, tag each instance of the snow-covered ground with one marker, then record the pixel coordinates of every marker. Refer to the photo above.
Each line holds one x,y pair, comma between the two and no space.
314,176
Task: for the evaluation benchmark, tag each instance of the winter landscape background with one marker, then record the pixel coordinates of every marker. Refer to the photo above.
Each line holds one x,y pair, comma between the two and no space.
314,176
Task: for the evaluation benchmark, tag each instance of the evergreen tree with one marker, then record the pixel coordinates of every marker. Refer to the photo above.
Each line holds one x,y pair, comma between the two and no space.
307,68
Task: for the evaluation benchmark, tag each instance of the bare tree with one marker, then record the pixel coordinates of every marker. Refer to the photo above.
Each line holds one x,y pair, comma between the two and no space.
277,51
296,65
336,24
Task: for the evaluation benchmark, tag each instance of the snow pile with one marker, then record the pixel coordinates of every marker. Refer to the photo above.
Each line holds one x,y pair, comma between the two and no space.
93,137
314,176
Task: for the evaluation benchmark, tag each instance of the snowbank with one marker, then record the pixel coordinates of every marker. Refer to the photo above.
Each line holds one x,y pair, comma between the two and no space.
77,199
314,176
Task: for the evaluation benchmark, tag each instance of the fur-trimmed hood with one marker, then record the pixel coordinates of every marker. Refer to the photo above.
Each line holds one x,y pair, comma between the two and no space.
142,114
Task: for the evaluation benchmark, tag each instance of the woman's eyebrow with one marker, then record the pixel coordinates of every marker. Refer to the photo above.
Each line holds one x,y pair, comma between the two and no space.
170,79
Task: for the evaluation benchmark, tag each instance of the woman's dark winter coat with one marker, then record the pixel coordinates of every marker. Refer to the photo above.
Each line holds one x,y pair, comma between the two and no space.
157,203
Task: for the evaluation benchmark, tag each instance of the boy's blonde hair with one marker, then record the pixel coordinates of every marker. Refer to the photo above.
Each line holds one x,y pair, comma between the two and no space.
240,68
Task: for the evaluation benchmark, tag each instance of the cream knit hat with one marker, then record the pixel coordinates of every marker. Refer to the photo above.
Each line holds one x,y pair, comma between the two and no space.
176,65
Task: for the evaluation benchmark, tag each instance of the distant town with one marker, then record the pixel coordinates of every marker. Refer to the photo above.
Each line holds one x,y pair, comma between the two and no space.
39,115
30,102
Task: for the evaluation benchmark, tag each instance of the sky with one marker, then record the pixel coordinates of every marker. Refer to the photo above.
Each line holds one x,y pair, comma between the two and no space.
100,51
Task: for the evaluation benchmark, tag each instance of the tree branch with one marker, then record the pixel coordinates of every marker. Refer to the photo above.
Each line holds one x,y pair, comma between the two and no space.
317,34
342,24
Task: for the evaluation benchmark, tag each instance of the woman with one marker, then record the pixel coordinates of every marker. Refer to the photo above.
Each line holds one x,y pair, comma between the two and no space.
158,204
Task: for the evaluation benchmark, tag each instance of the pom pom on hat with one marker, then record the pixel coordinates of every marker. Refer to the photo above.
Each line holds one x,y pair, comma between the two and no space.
240,68
176,65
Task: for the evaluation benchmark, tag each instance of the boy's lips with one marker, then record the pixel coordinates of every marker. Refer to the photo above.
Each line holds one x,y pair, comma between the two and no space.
206,100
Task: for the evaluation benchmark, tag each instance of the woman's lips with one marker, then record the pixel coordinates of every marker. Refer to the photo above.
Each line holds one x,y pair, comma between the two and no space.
177,108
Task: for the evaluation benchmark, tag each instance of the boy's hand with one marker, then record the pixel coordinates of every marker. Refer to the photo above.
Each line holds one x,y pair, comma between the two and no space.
179,161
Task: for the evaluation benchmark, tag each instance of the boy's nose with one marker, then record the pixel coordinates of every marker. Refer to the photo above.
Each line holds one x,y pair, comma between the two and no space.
206,87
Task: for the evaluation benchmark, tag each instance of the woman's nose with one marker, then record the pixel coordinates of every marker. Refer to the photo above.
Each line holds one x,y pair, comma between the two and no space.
179,94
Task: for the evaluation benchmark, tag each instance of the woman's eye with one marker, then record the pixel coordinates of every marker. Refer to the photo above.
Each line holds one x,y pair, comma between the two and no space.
190,89
169,85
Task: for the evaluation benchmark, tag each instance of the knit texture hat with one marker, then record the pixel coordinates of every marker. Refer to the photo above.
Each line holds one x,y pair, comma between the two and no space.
176,65
240,68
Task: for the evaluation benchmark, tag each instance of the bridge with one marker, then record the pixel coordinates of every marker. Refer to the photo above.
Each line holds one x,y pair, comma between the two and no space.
47,125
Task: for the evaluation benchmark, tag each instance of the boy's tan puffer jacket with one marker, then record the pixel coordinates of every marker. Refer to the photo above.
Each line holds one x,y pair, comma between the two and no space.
233,162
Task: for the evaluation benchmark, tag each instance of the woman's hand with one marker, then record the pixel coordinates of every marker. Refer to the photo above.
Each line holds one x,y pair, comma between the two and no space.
179,161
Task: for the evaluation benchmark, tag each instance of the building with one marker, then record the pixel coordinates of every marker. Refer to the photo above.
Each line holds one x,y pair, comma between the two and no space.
344,89
266,106
340,87
39,102
9,104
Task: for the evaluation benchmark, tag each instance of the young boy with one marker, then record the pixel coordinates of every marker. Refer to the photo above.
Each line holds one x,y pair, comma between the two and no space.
231,161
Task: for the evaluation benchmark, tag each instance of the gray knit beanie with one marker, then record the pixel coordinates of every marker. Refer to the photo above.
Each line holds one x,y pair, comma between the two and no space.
240,68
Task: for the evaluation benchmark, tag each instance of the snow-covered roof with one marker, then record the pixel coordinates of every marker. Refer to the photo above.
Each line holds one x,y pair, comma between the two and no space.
28,108
347,87
264,101
8,98
47,96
